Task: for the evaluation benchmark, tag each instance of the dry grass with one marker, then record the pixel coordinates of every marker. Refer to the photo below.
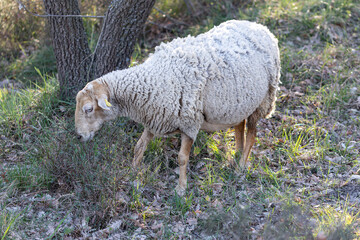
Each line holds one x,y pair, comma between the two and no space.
302,183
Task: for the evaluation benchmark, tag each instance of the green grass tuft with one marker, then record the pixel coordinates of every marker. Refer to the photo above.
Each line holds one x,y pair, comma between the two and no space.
301,182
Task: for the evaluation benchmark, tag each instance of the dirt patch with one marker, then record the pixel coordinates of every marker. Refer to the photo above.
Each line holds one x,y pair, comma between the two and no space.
349,192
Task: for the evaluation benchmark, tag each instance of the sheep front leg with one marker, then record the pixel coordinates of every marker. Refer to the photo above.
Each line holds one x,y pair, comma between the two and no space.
141,147
186,143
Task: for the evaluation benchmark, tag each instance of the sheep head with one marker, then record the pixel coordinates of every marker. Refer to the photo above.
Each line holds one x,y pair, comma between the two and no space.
92,109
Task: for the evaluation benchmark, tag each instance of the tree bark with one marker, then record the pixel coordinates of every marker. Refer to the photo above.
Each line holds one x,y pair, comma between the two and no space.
70,45
122,26
76,65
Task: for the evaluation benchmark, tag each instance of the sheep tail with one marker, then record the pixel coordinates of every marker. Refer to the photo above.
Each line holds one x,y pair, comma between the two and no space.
271,96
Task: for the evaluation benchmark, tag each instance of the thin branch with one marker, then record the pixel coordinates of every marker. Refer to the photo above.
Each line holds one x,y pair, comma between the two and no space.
171,18
160,26
49,15
190,6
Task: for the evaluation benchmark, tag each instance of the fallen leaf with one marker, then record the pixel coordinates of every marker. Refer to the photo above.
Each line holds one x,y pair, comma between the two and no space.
62,108
355,177
192,221
157,226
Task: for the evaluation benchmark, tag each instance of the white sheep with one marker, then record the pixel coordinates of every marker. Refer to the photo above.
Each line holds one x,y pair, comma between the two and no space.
217,80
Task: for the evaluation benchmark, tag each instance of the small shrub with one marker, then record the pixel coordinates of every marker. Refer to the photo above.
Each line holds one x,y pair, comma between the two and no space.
293,222
233,222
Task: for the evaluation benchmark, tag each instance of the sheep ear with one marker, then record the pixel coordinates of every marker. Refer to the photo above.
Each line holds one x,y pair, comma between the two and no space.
104,103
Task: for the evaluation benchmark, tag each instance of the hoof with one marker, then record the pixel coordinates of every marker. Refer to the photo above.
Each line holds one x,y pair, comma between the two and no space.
180,190
135,165
241,167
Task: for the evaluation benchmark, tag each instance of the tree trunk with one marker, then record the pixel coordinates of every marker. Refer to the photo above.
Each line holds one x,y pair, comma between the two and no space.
70,45
122,26
76,65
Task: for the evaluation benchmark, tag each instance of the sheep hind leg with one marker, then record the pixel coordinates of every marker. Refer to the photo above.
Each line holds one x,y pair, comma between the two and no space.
141,147
240,136
250,140
186,143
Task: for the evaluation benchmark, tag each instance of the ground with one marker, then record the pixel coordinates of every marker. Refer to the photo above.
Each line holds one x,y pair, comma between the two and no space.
303,181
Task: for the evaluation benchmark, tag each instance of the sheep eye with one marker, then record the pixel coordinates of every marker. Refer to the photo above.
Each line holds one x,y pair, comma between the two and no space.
89,110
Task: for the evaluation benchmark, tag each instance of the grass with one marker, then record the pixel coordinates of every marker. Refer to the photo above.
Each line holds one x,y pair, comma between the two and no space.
28,108
336,221
298,185
27,69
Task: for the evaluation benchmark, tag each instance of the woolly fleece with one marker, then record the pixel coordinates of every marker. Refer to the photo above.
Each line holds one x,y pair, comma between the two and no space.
219,77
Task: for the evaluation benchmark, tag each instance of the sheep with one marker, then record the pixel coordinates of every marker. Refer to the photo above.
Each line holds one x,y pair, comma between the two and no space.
226,77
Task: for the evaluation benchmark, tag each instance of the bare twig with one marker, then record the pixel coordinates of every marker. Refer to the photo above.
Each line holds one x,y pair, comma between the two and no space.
160,26
171,18
49,15
190,6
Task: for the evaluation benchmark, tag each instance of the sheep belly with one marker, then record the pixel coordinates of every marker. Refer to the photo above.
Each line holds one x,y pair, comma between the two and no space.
209,127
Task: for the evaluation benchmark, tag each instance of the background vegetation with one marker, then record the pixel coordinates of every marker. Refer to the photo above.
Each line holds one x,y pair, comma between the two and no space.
303,182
